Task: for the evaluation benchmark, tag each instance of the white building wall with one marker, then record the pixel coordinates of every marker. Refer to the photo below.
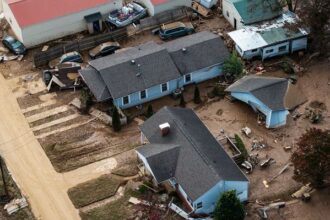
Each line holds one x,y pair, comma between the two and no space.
63,26
171,4
11,20
230,13
1,6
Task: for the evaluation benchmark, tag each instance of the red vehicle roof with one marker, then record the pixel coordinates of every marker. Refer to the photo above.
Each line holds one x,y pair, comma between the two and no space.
158,2
29,12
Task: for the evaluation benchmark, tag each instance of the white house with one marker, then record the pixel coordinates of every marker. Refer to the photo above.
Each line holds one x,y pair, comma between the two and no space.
280,36
184,156
38,21
157,6
247,12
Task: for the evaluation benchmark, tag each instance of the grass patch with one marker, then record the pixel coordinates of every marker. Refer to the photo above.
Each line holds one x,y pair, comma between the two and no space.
95,190
112,211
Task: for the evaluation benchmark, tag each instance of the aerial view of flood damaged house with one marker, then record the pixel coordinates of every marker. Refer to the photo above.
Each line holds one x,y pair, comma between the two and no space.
280,36
182,155
150,71
38,21
247,12
271,96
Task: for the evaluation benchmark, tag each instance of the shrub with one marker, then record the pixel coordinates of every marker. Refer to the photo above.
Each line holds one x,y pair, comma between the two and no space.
150,111
116,125
197,97
240,145
86,101
233,66
229,207
182,101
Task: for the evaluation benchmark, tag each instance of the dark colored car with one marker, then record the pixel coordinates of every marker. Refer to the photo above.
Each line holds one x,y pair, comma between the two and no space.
176,29
104,49
14,45
68,57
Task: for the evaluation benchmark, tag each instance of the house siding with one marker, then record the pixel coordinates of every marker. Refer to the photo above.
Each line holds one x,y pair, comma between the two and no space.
12,20
227,6
152,94
211,197
299,44
202,75
276,51
273,118
167,5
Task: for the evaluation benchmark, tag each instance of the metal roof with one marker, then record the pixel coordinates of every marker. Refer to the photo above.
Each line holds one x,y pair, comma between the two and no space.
253,11
284,28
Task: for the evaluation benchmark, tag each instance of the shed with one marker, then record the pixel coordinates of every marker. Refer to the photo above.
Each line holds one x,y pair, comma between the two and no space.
270,96
38,21
280,36
94,22
246,12
189,160
157,6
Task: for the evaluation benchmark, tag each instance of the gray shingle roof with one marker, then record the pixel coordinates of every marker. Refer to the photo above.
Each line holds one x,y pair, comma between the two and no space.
269,90
152,63
162,156
202,50
202,162
95,83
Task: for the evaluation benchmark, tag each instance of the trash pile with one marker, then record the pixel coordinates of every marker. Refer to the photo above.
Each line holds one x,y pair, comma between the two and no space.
314,112
258,145
15,205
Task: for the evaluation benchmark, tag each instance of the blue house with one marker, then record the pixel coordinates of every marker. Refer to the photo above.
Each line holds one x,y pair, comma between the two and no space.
271,96
283,35
183,155
150,71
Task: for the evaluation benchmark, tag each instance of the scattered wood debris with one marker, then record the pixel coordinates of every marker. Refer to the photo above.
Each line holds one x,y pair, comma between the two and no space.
15,205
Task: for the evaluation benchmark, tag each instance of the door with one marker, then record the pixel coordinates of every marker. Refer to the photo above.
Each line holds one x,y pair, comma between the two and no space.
96,26
235,24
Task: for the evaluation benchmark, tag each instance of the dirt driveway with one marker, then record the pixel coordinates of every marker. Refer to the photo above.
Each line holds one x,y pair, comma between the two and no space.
30,167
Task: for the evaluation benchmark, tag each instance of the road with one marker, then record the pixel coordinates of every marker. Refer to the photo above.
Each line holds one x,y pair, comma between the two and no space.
28,164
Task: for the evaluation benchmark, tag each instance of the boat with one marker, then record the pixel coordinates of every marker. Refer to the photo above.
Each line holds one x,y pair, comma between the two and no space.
128,14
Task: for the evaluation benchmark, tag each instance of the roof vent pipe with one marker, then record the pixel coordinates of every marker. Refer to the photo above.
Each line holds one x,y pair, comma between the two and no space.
184,50
164,129
132,61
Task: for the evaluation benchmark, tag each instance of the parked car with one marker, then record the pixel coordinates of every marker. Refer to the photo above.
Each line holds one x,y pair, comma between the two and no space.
14,45
128,14
104,49
176,29
68,57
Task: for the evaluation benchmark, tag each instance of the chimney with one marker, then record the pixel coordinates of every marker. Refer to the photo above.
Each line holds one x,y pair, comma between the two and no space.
164,129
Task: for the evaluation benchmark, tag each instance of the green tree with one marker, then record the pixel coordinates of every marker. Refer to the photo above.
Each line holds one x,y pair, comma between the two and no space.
197,96
182,101
233,66
86,101
116,125
241,146
311,159
150,111
229,207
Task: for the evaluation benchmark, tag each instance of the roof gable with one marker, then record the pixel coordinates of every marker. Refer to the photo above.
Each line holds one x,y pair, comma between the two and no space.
201,50
269,90
253,11
202,161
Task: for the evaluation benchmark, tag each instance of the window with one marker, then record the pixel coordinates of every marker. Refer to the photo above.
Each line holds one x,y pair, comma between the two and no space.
164,87
254,50
125,100
199,205
187,78
227,14
282,48
143,94
269,51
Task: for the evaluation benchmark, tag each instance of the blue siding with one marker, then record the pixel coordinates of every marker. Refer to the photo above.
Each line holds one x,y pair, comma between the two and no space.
203,75
211,197
273,118
152,93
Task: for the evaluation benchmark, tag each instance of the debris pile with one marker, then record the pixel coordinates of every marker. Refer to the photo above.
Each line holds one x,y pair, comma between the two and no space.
258,144
314,112
15,205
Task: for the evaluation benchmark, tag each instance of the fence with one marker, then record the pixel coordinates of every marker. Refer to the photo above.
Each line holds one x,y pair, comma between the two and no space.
42,58
164,17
